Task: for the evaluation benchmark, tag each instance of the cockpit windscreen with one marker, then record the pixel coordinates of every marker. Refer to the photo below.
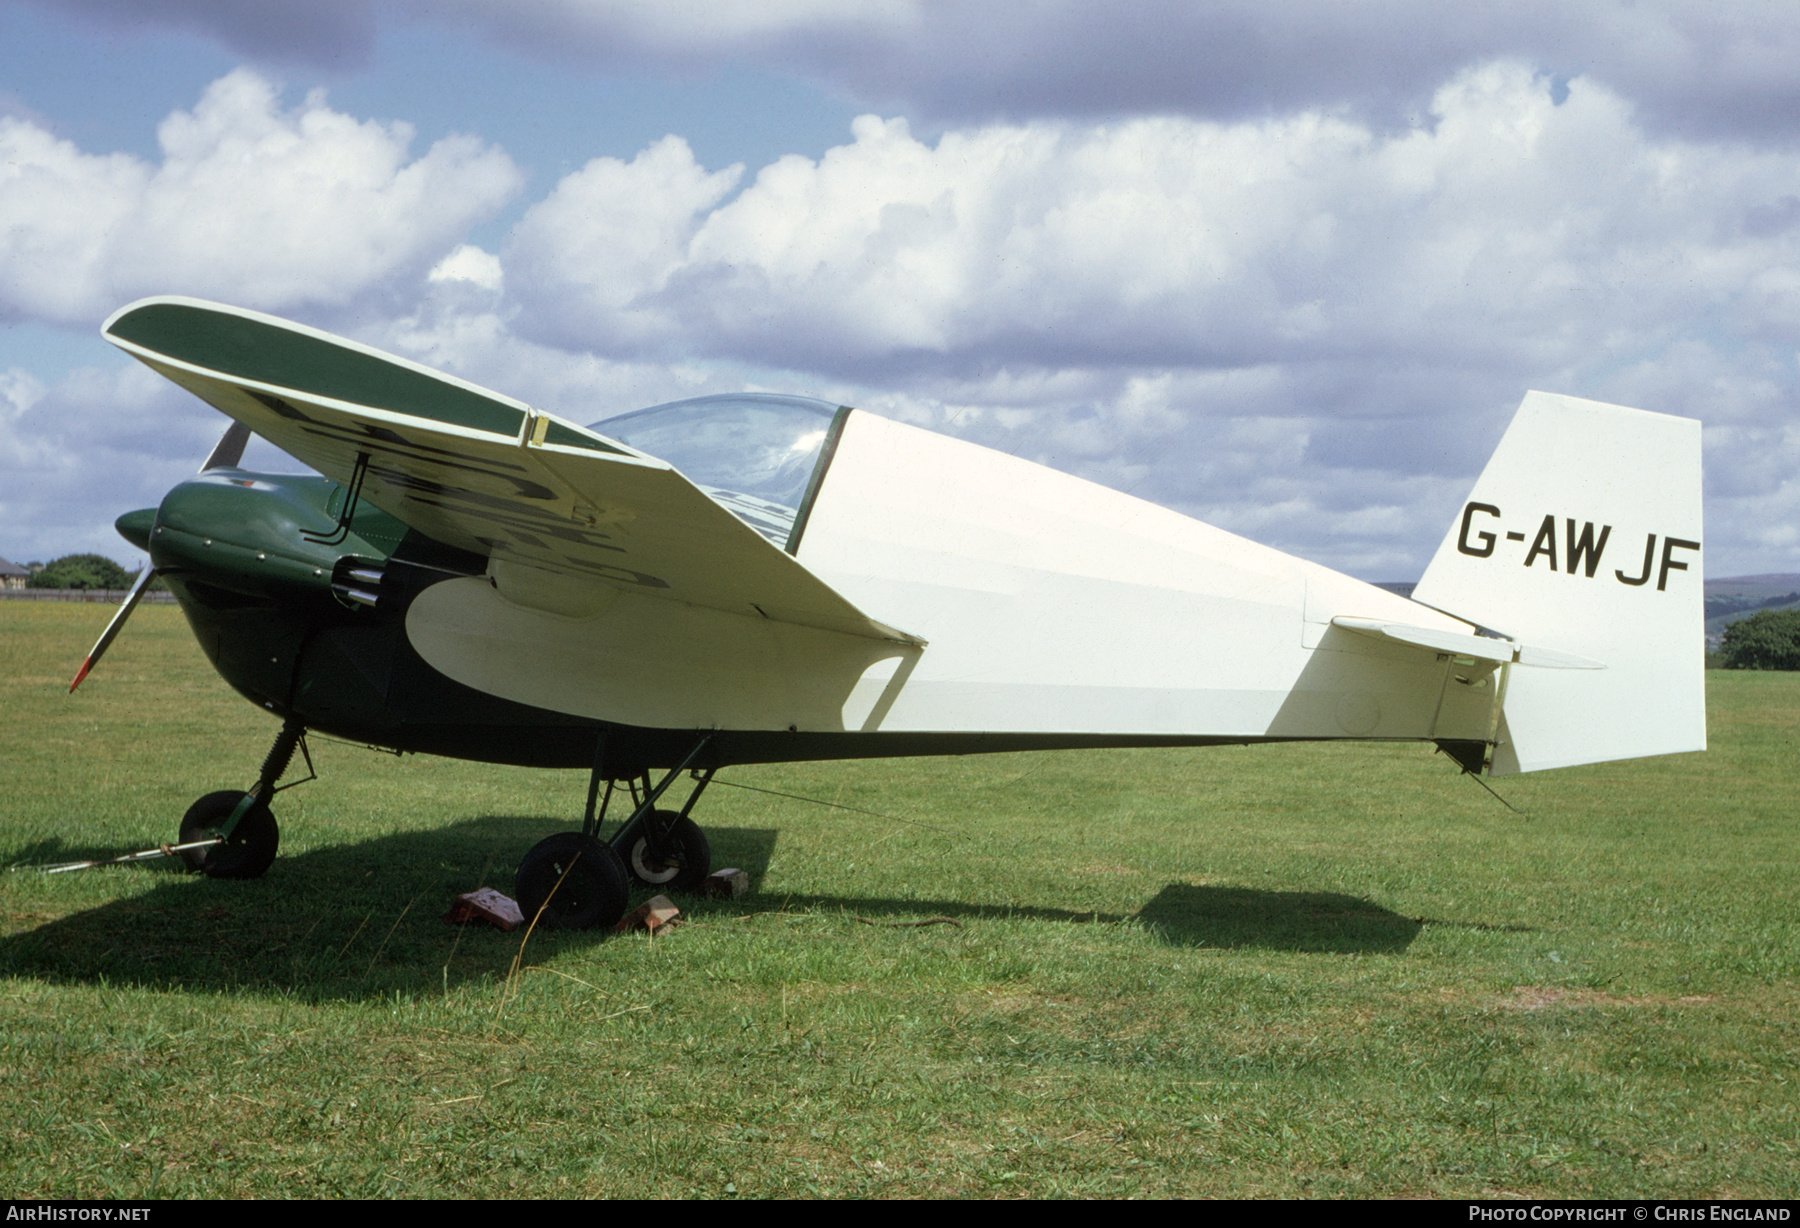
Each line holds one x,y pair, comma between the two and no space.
753,452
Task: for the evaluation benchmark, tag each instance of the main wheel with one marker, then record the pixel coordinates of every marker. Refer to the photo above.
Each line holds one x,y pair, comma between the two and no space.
572,882
250,850
687,861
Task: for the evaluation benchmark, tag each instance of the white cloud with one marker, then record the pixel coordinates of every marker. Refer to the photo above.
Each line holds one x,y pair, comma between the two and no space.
469,263
250,203
19,391
1513,231
610,236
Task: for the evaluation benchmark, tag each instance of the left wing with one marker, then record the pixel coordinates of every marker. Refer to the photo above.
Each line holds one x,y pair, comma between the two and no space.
558,509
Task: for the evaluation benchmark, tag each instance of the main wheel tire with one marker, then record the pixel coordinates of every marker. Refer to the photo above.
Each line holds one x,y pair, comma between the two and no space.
689,858
251,848
571,882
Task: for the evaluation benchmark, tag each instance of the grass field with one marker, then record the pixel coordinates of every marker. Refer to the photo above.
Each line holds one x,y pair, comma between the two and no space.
1296,970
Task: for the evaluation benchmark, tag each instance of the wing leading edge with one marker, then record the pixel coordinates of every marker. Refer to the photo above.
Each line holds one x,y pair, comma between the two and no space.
567,517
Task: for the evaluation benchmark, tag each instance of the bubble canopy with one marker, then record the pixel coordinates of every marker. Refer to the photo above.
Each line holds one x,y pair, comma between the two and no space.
755,453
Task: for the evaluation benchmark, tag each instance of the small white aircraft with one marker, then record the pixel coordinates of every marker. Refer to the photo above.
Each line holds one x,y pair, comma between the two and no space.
756,578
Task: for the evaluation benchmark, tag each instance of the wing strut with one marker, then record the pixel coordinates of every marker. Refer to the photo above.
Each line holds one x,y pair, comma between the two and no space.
351,496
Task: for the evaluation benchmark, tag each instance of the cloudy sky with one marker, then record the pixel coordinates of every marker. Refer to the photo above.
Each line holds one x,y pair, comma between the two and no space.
1286,268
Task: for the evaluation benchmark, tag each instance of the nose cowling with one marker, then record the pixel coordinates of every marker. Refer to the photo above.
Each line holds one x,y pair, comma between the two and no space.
247,533
135,527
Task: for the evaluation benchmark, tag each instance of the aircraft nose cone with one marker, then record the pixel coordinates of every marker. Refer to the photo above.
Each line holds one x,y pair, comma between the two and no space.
135,527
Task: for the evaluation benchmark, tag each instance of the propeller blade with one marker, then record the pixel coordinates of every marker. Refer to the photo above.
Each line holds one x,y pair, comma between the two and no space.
112,628
225,454
230,448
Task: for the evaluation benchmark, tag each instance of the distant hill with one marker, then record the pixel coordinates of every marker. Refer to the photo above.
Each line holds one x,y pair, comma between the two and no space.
1735,597
1790,581
1727,599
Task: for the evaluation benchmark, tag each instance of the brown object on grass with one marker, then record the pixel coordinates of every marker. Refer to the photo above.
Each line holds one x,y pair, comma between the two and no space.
486,905
655,914
726,884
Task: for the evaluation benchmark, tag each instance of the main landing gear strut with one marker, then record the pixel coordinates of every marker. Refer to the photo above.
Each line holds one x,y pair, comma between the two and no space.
241,826
575,880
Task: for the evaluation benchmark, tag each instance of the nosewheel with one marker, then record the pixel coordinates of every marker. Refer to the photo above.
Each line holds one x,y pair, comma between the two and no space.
247,852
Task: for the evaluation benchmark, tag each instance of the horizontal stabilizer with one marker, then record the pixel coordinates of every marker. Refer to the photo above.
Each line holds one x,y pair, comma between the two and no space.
1481,647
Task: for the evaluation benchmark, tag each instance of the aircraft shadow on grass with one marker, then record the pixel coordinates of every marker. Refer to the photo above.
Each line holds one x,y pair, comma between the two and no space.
1319,921
344,921
1185,916
364,920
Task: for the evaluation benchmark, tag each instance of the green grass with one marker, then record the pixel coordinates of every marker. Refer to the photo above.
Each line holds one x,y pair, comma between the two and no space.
1297,970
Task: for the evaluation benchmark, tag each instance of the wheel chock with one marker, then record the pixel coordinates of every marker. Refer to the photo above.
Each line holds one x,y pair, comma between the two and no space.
486,905
655,914
726,884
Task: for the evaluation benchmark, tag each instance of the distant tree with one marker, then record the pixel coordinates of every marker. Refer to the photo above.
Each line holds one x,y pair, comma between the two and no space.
1769,640
81,571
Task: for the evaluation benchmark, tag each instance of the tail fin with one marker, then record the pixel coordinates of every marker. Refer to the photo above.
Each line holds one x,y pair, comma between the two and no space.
1582,535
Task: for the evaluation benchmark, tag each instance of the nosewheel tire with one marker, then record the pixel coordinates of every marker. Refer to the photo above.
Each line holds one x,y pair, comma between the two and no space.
250,849
571,882
686,861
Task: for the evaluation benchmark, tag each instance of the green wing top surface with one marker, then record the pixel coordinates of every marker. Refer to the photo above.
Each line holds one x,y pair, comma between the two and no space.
478,470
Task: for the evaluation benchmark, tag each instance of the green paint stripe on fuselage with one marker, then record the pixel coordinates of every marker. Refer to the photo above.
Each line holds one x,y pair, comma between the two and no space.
254,350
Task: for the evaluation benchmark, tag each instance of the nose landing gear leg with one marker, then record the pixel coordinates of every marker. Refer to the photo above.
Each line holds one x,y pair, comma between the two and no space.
241,824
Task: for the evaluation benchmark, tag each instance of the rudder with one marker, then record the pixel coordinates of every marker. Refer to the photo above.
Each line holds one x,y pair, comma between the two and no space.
1582,535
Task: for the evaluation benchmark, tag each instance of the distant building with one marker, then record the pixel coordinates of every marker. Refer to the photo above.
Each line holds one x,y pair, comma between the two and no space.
12,575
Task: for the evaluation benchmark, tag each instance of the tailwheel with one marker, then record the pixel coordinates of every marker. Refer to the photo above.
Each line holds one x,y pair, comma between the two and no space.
685,858
247,852
571,881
